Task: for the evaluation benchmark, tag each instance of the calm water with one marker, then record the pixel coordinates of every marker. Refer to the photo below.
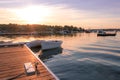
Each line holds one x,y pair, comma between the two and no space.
82,56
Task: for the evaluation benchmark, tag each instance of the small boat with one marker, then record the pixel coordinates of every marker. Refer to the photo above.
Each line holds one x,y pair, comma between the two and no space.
50,44
103,33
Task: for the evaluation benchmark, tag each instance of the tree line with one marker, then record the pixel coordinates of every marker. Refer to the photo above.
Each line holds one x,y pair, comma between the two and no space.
37,28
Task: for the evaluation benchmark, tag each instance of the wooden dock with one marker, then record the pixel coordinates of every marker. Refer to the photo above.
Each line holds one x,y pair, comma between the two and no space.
12,59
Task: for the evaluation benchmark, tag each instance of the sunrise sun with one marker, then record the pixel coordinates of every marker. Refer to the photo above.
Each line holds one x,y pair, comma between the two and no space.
33,14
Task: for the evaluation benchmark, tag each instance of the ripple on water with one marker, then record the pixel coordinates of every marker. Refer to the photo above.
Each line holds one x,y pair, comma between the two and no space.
92,60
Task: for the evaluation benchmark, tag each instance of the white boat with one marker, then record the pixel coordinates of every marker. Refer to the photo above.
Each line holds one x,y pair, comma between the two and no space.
50,44
103,33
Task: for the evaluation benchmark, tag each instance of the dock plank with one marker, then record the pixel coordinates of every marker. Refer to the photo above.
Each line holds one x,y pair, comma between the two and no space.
12,59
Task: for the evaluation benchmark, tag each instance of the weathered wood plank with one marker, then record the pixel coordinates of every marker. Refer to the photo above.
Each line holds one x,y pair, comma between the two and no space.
12,61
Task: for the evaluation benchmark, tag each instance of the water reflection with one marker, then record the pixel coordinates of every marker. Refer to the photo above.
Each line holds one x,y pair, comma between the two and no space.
46,54
27,38
83,57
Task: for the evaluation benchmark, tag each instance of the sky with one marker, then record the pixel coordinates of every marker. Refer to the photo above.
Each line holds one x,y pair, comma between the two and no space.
81,13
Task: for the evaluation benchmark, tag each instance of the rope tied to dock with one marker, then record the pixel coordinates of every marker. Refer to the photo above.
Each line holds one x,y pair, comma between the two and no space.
36,67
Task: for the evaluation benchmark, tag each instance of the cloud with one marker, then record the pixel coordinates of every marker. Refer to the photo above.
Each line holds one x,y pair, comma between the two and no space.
101,6
14,3
83,4
73,12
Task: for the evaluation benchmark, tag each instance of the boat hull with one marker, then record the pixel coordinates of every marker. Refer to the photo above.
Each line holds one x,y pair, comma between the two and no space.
106,34
35,43
50,45
45,45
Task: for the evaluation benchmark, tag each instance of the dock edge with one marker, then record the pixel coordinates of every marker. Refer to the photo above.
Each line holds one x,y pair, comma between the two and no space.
42,63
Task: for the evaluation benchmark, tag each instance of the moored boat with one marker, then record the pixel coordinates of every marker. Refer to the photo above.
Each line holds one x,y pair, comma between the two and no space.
50,44
103,33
